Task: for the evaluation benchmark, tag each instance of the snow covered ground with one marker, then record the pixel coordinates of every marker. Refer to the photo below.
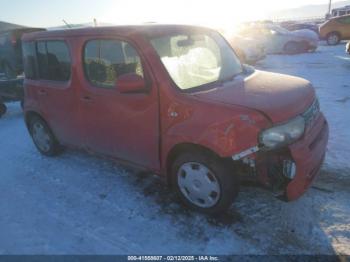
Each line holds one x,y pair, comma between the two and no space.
81,204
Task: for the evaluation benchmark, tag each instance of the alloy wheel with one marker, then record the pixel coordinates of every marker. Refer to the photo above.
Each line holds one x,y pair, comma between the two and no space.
333,39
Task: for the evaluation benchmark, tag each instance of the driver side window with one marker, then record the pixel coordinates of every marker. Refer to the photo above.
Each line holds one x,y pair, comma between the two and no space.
106,60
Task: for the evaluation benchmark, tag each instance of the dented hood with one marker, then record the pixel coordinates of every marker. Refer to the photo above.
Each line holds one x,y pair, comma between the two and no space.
278,96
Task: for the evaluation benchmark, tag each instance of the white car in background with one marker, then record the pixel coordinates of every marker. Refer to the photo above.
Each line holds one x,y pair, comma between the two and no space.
248,50
278,40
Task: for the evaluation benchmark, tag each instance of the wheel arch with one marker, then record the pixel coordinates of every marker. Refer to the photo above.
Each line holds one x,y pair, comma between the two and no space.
30,114
56,146
178,149
334,32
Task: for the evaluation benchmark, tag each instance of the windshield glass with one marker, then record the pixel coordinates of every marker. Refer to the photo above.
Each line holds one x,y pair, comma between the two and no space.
196,59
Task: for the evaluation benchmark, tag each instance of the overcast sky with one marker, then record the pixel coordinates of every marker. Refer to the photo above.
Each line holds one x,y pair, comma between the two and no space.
46,13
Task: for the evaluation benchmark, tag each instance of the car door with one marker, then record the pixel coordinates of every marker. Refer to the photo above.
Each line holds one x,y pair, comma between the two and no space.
125,126
55,88
344,27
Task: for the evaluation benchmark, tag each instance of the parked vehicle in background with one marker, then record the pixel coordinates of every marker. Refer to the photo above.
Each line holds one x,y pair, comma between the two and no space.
293,26
248,50
175,100
335,29
278,40
11,51
11,90
345,10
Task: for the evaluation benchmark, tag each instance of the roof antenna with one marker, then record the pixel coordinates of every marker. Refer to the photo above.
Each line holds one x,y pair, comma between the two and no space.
95,22
68,25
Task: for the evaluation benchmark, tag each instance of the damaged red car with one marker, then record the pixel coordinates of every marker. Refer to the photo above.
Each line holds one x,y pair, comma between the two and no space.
175,100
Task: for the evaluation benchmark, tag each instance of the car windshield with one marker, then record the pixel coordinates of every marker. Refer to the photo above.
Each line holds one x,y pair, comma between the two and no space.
197,59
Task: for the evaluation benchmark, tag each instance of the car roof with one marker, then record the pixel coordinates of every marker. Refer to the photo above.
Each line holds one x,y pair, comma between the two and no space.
123,30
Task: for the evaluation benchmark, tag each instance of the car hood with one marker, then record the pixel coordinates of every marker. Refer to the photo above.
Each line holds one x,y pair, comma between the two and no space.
278,96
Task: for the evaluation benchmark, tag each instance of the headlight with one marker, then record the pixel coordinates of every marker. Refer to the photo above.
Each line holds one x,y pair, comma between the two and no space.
283,134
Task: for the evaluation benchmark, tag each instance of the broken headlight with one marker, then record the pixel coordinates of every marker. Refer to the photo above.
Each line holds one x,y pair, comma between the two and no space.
284,134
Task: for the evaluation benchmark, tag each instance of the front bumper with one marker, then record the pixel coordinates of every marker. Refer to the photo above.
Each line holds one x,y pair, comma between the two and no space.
308,155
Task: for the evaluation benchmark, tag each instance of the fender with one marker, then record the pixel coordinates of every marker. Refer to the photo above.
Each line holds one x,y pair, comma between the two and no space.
225,130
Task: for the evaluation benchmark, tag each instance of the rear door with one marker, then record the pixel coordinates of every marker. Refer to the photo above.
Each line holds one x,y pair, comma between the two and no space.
55,90
344,27
125,126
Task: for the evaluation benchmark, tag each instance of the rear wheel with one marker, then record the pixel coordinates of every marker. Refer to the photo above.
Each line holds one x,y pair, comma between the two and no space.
204,182
43,138
333,38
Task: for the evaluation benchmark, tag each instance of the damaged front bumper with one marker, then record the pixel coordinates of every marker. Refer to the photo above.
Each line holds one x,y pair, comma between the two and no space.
308,154
289,172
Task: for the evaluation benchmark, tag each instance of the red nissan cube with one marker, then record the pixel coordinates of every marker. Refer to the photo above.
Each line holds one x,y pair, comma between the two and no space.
174,100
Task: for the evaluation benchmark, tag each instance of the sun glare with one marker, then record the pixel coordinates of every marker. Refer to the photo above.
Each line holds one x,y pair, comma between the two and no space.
218,14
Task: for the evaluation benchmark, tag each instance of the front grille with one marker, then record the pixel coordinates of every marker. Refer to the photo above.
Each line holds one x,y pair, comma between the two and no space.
312,112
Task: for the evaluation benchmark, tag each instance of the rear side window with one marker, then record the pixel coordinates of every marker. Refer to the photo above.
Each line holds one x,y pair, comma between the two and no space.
344,20
106,60
54,61
29,60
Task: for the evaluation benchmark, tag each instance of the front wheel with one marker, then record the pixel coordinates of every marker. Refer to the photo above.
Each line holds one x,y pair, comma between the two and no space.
43,138
333,38
204,182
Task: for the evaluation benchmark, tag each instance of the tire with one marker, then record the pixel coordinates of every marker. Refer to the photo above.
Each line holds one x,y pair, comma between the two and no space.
292,48
333,38
208,173
43,138
3,109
